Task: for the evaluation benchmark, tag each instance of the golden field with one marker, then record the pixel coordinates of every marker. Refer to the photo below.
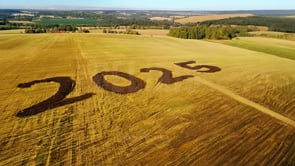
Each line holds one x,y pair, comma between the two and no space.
22,22
201,18
156,32
13,31
159,32
241,115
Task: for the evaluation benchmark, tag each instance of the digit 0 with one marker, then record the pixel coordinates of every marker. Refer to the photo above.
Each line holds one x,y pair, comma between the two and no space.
136,83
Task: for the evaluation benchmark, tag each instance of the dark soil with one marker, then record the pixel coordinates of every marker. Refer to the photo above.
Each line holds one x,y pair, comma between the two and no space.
66,86
136,83
167,77
210,69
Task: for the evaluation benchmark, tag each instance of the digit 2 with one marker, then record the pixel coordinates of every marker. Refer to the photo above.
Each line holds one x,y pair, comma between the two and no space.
167,77
57,100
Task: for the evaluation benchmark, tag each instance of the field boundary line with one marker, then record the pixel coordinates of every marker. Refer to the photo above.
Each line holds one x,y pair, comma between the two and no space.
246,101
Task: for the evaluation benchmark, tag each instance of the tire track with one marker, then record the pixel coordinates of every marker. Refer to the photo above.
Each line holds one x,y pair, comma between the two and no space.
247,102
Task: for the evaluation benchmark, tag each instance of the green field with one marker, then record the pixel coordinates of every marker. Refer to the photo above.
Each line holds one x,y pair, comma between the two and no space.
273,34
278,47
241,115
83,21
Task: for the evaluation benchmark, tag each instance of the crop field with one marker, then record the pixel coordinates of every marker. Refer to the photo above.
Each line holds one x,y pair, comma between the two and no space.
160,32
201,18
157,32
161,18
12,31
102,99
22,22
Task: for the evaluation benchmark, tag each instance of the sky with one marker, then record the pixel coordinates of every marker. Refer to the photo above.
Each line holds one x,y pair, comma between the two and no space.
150,4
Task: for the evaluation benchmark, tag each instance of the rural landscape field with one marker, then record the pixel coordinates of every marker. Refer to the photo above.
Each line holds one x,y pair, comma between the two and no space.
115,83
216,118
208,17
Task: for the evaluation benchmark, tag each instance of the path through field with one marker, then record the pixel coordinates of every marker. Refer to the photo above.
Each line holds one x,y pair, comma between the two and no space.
245,101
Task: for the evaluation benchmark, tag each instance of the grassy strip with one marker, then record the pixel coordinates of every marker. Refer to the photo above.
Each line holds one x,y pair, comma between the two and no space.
283,52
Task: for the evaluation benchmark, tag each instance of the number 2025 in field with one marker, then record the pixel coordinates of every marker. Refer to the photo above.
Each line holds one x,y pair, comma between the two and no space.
67,85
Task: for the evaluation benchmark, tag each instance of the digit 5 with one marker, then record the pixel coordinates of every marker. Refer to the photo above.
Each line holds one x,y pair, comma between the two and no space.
210,69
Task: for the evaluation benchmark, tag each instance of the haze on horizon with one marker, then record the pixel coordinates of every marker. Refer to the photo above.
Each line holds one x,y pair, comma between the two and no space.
150,5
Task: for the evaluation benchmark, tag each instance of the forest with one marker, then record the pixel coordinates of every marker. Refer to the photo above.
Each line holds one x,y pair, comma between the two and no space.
274,23
53,21
51,28
208,32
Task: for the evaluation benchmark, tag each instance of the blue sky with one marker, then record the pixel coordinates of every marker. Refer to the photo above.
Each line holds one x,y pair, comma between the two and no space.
151,4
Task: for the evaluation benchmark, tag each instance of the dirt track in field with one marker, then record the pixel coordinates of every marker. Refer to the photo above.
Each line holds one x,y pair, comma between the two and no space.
247,102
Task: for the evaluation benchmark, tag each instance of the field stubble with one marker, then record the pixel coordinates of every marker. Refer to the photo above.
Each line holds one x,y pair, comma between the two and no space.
202,18
182,123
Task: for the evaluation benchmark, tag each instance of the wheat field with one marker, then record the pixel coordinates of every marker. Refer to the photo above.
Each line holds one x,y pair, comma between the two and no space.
201,18
240,113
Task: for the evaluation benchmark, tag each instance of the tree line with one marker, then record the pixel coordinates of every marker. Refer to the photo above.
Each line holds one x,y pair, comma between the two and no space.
50,28
5,25
280,24
208,32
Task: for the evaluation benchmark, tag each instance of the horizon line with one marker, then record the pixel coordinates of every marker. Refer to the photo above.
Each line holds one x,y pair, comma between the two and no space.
61,8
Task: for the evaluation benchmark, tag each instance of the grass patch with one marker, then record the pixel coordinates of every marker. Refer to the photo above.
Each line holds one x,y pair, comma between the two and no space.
268,46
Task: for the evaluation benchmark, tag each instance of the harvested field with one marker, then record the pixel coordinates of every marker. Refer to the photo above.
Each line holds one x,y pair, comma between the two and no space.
272,34
160,18
95,30
195,19
259,28
141,100
153,32
157,32
13,31
23,22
